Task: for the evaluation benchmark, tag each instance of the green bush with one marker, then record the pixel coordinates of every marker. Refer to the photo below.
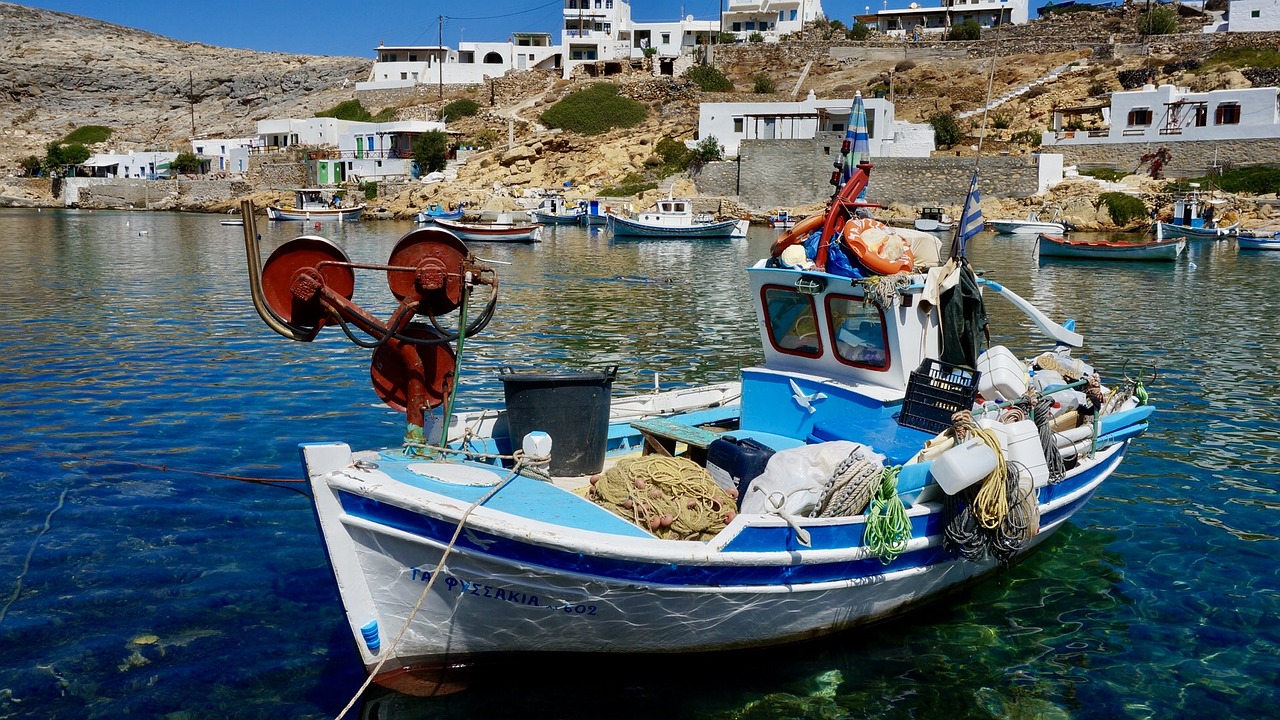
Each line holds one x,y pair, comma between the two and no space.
88,135
1001,121
946,132
966,30
755,37
764,85
709,79
594,110
858,31
1027,137
459,109
370,189
1158,21
58,155
431,151
628,189
673,153
1258,180
354,110
726,38
1123,208
31,165
1241,58
1107,174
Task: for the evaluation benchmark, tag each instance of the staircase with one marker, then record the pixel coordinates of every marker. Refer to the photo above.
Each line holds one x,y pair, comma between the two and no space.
1050,76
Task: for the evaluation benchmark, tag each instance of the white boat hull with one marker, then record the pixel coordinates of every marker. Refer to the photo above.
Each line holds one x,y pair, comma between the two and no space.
1026,227
340,214
513,585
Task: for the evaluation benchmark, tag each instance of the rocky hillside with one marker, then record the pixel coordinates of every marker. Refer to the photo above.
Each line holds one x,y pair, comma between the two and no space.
59,72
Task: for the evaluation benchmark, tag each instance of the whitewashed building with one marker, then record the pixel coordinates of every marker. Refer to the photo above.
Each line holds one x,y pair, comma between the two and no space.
149,165
1168,114
771,20
223,154
1253,16
472,63
732,122
355,150
915,21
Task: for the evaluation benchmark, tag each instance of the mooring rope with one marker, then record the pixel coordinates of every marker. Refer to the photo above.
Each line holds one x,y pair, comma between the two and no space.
457,531
26,564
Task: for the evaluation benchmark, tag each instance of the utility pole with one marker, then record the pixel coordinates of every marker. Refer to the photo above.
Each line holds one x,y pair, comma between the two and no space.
440,30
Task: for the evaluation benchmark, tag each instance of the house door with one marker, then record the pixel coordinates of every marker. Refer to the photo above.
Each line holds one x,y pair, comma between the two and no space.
360,147
770,129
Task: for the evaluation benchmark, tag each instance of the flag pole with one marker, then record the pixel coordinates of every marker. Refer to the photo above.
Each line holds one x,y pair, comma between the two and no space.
964,230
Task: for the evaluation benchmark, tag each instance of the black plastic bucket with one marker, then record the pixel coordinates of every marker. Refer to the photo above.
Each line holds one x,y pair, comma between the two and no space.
571,407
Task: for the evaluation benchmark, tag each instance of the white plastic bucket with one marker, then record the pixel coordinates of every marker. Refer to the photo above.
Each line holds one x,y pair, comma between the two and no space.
963,465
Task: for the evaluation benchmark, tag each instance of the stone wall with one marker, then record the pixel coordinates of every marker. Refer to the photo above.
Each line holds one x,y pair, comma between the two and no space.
150,194
1193,158
789,173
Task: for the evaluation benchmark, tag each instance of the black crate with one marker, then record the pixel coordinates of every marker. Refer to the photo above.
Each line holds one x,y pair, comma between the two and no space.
935,392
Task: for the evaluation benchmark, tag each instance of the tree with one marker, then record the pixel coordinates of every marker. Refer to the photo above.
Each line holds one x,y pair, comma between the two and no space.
1158,21
707,150
859,31
946,132
58,155
431,151
31,165
186,162
967,30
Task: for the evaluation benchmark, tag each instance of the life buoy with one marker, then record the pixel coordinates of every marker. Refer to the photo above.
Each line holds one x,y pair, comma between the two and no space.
797,234
868,239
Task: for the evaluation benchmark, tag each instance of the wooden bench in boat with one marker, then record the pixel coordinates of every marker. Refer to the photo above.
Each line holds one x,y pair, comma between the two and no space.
662,434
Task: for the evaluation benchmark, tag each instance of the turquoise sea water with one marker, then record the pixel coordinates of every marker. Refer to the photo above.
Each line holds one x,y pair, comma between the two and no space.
131,585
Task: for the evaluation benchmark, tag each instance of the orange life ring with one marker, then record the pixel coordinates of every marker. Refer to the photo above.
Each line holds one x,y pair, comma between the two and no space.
867,238
797,234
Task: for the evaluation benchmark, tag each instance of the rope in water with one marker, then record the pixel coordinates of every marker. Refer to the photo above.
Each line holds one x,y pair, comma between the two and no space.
674,498
887,530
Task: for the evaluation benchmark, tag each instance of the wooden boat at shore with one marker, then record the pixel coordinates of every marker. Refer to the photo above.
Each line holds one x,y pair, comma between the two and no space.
674,218
315,204
494,232
815,501
1255,241
1153,250
436,212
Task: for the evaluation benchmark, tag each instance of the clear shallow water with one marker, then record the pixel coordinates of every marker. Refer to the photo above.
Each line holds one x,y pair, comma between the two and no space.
151,591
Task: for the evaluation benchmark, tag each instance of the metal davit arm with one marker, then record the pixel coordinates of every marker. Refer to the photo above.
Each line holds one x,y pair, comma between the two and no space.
253,253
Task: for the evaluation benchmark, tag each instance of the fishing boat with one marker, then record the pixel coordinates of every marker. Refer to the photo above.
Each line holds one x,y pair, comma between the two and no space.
674,218
1258,241
437,212
555,210
1151,250
861,470
1194,217
315,204
1031,225
783,221
594,213
494,232
933,219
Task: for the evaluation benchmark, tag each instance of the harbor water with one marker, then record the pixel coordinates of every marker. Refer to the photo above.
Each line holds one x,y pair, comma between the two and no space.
146,572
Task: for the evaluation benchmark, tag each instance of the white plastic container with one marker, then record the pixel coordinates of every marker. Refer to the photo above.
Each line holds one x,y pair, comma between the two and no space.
963,465
1026,451
1004,377
536,444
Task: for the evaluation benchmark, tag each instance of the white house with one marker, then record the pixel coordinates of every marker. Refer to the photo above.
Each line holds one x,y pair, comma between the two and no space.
150,165
917,21
473,63
1253,15
223,154
356,150
1168,114
770,19
732,122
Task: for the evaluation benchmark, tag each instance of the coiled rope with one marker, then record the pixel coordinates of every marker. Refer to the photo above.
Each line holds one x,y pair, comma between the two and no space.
849,490
674,498
887,530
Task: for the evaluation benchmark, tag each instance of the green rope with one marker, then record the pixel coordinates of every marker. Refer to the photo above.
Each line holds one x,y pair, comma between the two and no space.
888,529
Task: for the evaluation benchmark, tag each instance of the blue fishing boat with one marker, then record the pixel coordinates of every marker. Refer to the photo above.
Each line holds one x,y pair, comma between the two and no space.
1194,217
874,461
1152,250
594,213
1255,241
437,212
555,210
675,218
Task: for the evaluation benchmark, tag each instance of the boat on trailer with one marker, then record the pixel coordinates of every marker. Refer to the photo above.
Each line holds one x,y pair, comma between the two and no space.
848,478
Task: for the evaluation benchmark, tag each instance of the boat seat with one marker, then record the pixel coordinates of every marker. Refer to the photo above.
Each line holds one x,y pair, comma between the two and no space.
898,443
661,435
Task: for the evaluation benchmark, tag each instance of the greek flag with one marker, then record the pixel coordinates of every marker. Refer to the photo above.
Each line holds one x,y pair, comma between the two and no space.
971,222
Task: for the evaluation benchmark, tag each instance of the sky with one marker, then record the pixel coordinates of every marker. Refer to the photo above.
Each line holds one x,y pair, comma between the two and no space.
340,27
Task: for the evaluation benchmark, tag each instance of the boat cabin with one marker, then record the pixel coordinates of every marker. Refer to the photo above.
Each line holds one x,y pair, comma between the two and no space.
316,199
673,212
934,213
1194,211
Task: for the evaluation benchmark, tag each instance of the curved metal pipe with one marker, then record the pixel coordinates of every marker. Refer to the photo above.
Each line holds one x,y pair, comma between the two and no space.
253,254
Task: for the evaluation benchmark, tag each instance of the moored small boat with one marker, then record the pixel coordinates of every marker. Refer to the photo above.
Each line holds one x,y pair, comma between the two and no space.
555,210
1270,241
933,219
1153,250
1194,217
674,218
494,232
437,212
1031,225
315,204
783,221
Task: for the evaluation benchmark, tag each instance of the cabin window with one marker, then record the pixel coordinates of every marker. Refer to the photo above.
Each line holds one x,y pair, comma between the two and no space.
791,321
1139,116
859,332
1227,114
